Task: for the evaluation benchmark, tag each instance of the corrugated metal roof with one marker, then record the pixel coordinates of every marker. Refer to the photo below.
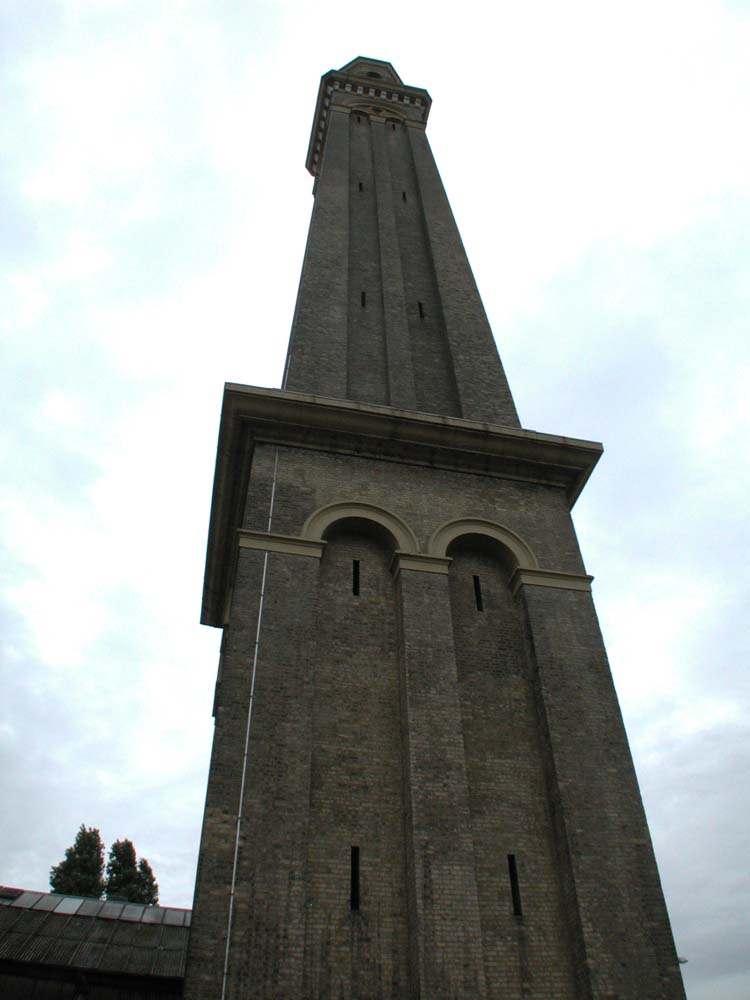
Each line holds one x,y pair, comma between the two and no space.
90,934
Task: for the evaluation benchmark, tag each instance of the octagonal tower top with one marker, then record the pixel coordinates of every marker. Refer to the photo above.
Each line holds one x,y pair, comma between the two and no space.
364,86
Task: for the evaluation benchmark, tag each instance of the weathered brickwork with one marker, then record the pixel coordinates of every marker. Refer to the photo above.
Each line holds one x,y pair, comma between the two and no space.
431,361
356,795
366,360
510,814
318,347
420,783
268,925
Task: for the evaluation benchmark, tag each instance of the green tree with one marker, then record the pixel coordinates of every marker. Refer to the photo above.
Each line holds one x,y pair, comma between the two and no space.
149,885
122,871
127,878
80,872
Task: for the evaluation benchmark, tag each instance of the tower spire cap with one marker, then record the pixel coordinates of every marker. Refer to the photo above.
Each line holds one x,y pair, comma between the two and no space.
372,69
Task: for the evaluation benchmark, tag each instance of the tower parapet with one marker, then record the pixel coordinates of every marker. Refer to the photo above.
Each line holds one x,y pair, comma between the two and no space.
368,87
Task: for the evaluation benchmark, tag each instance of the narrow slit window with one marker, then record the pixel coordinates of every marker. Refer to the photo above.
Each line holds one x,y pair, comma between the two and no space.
403,196
393,127
478,596
363,299
358,119
420,306
515,890
354,881
361,186
355,577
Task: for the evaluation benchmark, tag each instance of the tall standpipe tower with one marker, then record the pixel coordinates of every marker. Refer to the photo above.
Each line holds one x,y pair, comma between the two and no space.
420,784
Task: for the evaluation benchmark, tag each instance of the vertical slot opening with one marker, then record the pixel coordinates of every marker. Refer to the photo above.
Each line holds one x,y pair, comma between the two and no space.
420,306
354,880
355,577
393,127
478,594
358,119
403,196
363,299
515,890
361,186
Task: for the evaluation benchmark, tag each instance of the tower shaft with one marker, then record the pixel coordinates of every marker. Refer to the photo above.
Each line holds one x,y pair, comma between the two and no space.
388,311
420,784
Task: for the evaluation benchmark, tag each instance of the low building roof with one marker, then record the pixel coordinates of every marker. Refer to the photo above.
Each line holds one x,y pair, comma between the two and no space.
92,935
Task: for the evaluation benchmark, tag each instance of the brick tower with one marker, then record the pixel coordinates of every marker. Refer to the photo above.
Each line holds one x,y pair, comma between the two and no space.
420,784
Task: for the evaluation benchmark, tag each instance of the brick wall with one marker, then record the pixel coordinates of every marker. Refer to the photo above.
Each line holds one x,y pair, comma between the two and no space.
529,952
356,795
366,359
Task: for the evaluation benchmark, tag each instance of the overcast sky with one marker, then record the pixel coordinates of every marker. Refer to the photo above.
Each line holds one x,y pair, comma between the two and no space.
597,157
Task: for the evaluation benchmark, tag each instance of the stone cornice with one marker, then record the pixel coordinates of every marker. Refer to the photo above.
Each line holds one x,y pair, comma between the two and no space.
296,418
251,415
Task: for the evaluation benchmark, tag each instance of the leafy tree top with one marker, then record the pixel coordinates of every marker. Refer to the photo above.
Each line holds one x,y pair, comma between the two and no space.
149,885
128,879
80,872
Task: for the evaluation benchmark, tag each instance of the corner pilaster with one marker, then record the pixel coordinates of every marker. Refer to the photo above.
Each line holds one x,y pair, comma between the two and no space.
442,893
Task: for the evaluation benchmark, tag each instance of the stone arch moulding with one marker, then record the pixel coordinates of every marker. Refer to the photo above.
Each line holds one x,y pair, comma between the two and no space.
316,525
447,533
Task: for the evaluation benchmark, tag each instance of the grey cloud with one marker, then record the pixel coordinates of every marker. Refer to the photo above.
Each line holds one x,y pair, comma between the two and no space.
65,746
699,803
